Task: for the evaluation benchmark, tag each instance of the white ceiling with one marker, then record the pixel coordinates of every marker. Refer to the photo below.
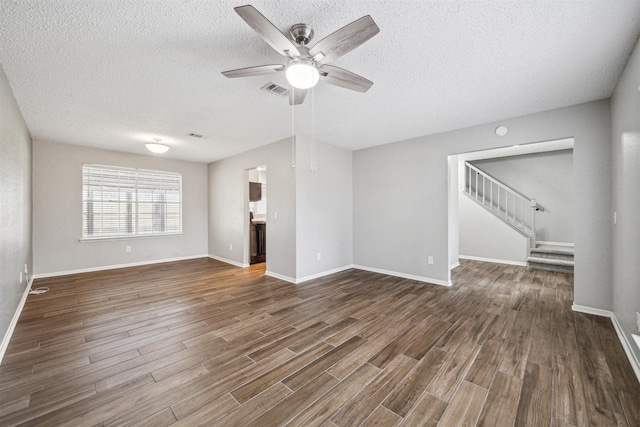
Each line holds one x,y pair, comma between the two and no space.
115,73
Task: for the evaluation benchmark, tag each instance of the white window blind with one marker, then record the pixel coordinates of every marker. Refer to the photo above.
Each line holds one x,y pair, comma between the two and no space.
123,202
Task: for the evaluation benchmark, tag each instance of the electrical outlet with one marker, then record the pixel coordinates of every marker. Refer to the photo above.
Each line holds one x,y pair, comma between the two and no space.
430,260
230,246
127,249
21,277
26,270
638,322
318,256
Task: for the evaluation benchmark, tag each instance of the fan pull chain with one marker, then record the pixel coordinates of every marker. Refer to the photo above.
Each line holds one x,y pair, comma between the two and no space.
314,147
293,130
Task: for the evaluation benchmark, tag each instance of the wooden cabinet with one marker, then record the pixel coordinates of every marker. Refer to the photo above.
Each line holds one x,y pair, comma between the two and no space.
258,242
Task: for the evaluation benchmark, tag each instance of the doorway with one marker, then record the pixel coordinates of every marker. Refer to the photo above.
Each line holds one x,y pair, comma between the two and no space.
532,168
258,215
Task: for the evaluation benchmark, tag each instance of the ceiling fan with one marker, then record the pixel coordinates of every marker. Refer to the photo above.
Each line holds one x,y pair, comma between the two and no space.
308,65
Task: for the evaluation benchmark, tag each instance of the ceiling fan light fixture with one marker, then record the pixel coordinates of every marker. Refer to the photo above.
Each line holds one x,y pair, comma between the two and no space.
302,74
154,147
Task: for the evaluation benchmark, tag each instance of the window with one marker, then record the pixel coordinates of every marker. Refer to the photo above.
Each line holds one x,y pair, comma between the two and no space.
123,202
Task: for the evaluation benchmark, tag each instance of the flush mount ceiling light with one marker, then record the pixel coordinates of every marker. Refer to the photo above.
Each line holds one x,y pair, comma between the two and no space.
302,74
501,130
156,147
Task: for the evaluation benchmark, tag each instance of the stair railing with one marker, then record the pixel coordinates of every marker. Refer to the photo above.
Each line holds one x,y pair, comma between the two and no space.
508,205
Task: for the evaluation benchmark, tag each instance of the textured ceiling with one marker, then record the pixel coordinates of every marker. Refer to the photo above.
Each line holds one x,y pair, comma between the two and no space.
114,74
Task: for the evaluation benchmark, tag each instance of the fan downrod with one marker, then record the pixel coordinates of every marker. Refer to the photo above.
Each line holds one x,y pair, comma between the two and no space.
301,33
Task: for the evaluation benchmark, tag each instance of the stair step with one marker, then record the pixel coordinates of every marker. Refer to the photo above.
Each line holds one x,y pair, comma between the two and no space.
549,267
553,250
551,261
550,264
553,255
549,255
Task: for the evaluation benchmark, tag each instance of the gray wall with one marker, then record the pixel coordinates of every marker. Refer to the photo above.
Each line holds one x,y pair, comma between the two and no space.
324,208
314,208
625,113
400,209
401,195
229,213
454,236
546,177
57,211
15,204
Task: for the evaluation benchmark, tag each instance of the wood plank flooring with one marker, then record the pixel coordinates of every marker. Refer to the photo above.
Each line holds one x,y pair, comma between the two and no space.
200,342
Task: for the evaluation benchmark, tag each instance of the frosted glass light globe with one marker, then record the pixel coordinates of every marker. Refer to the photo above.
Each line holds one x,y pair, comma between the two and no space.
302,74
157,148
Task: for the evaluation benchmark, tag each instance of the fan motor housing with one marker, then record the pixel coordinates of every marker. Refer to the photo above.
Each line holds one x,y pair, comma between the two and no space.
301,33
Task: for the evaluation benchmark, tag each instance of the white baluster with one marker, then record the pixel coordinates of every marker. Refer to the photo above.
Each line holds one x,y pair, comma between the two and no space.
491,195
467,177
484,190
476,185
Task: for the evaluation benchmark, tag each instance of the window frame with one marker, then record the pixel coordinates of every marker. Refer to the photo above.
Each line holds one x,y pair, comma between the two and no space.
133,215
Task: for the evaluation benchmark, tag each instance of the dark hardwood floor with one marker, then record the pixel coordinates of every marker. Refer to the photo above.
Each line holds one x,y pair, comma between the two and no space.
200,342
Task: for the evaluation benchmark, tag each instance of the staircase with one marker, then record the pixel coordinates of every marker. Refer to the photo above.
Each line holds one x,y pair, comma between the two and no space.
551,258
518,212
511,207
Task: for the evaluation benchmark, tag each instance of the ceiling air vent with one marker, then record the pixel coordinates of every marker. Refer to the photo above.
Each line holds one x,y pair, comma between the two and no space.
276,89
197,135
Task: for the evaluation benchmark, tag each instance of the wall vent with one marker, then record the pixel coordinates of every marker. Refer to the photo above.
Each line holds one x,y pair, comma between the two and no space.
276,89
197,135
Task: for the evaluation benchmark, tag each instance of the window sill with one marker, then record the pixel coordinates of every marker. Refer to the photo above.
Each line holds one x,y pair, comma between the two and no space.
106,239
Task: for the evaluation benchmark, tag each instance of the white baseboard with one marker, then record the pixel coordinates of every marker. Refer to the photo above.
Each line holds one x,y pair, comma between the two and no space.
280,276
452,266
324,273
114,266
228,261
14,320
493,260
404,275
283,277
622,336
358,267
591,310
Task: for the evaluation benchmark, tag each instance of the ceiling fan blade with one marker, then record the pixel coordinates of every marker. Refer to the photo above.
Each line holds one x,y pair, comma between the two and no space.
254,71
267,30
343,78
344,40
297,96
